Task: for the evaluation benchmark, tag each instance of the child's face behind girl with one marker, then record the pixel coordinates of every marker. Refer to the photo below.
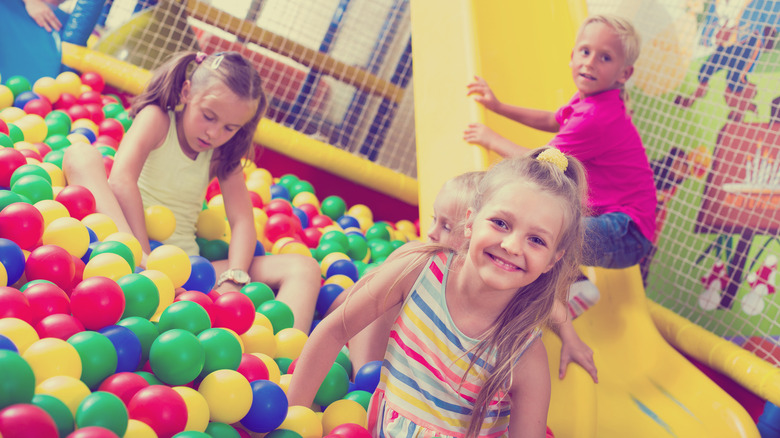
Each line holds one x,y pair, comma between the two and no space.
514,237
212,115
447,212
598,60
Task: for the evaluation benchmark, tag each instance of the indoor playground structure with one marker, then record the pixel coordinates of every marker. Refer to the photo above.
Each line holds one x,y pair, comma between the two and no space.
363,129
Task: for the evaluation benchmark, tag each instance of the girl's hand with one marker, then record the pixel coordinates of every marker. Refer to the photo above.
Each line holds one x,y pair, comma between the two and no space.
42,14
574,350
477,133
482,93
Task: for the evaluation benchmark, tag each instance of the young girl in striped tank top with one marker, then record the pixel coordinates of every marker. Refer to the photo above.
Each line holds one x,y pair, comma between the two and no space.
465,348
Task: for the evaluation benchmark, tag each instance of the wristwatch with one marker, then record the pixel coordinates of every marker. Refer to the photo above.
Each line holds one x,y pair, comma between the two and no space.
235,275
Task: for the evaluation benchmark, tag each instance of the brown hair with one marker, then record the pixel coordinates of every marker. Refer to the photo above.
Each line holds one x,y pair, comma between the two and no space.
164,90
463,187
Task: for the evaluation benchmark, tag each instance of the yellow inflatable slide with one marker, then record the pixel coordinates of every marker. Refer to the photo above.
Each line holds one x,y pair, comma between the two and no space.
522,48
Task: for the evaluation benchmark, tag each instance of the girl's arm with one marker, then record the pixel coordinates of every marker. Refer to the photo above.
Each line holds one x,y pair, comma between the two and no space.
238,207
147,133
372,296
530,394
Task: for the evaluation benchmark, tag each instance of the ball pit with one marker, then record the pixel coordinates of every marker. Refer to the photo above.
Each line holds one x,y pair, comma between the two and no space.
90,336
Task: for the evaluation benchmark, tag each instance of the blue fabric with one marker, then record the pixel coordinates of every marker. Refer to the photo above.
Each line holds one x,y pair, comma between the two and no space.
26,49
613,241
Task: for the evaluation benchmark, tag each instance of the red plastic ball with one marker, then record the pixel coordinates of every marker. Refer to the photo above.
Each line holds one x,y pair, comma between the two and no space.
94,80
320,221
65,101
46,299
311,237
213,189
162,408
97,302
279,205
38,106
78,273
52,263
95,112
92,432
252,367
30,153
198,297
78,111
108,164
310,210
350,430
14,304
111,128
235,311
257,201
42,148
3,127
58,326
90,96
79,201
27,420
279,225
105,140
123,385
21,223
10,160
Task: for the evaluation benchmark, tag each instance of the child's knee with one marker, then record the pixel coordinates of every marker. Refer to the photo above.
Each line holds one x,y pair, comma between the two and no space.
80,157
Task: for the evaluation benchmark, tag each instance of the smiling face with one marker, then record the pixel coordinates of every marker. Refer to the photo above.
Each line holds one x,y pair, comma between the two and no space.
598,61
513,238
212,115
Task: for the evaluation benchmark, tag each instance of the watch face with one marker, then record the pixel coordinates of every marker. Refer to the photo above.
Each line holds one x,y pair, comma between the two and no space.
241,276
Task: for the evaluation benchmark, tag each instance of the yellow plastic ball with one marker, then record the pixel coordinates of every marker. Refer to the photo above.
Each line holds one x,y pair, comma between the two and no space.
101,224
306,198
360,210
273,368
69,82
47,87
84,89
33,127
343,411
277,246
217,202
407,227
108,265
164,287
290,342
130,241
303,421
69,234
171,261
160,222
55,173
263,320
284,382
248,166
259,339
139,429
3,276
49,357
211,224
341,280
6,97
330,259
262,175
85,123
12,114
197,408
228,394
77,138
21,333
365,222
261,188
295,247
69,390
51,210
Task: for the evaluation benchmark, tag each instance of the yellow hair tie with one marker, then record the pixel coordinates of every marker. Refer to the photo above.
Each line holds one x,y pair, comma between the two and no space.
556,157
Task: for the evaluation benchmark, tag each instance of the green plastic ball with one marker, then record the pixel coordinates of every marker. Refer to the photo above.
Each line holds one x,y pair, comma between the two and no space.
334,387
18,382
333,206
258,292
177,357
33,187
18,84
57,142
185,315
278,313
103,409
223,351
58,411
144,329
5,141
98,357
141,295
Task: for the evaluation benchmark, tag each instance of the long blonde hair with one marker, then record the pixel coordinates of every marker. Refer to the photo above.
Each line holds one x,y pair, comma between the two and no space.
628,36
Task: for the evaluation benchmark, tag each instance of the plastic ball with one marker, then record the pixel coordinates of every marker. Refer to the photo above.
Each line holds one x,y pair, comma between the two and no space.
211,224
165,290
114,247
69,390
6,96
69,82
343,411
69,234
333,387
177,357
51,263
258,292
27,420
215,429
252,368
101,224
12,259
235,311
367,377
160,222
259,339
222,349
97,302
18,84
51,357
278,313
202,275
33,187
123,385
58,325
47,87
333,206
141,295
10,160
343,267
320,221
19,332
18,382
268,409
350,430
38,106
102,409
328,293
197,409
98,357
79,201
94,80
160,407
139,429
228,394
185,315
127,346
46,299
290,342
341,280
279,225
172,261
58,412
144,330
14,304
108,265
302,421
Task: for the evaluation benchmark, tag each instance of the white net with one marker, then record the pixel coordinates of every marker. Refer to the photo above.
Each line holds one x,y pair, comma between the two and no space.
336,70
705,99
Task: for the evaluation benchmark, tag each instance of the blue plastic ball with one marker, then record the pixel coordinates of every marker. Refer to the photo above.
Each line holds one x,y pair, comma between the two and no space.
343,267
302,217
268,409
25,96
7,344
347,221
279,191
202,277
259,249
127,346
367,377
12,258
86,132
327,295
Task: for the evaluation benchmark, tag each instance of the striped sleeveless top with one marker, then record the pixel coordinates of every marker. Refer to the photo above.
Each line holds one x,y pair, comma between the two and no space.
422,392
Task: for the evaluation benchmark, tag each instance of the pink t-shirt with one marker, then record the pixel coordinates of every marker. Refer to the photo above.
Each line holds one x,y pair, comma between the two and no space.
598,131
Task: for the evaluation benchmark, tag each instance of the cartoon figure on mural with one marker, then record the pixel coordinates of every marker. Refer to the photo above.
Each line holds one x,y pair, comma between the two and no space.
739,30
